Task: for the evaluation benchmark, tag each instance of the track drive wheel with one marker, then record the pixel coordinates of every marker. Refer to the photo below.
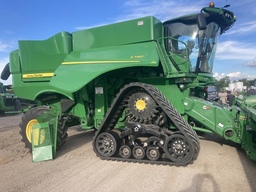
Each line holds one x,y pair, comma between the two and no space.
142,107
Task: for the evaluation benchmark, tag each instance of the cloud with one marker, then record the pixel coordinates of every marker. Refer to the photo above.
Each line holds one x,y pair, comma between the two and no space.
245,28
252,63
241,6
8,32
6,47
239,52
162,9
218,76
238,75
233,50
234,76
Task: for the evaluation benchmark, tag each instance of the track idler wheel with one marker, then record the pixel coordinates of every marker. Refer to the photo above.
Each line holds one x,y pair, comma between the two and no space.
177,149
153,153
106,144
138,152
125,151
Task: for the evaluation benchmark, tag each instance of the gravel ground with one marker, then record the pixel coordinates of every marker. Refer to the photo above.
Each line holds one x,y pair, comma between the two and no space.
221,166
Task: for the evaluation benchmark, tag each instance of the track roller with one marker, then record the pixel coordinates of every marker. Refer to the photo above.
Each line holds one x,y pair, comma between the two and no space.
153,153
125,151
138,152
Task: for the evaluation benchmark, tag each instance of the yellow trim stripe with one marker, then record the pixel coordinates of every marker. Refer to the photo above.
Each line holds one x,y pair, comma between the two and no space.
37,75
100,62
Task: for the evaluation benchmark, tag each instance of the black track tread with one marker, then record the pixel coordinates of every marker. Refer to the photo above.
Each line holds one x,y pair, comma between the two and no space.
182,125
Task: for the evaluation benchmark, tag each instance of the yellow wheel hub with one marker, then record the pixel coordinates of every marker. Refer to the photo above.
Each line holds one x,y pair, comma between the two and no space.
36,132
140,105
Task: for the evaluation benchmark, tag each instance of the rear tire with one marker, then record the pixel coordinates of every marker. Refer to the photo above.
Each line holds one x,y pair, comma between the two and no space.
27,121
30,118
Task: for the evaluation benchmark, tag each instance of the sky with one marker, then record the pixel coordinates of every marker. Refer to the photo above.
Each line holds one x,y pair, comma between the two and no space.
39,20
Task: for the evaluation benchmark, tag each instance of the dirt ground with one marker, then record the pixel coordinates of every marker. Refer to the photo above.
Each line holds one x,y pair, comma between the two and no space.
221,167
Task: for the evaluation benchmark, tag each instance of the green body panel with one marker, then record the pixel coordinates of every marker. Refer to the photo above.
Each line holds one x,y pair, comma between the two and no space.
33,65
127,32
81,67
41,139
251,101
33,56
212,115
31,91
173,94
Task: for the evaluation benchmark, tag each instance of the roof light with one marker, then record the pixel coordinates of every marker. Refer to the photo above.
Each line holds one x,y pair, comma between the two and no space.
211,4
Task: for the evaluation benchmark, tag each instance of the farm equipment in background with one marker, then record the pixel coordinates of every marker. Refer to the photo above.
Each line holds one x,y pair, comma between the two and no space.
140,83
9,104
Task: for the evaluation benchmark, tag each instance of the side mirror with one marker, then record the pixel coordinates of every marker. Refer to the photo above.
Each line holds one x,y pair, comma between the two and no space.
201,22
6,72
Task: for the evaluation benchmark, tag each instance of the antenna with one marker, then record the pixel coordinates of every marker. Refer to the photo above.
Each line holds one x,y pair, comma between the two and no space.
226,6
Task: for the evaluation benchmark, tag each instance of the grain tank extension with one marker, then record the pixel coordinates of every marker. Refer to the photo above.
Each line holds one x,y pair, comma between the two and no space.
139,83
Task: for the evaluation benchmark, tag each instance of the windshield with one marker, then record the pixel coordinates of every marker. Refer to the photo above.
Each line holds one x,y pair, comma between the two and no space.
212,88
200,45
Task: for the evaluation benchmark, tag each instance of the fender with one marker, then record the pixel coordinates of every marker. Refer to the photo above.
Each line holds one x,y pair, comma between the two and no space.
81,67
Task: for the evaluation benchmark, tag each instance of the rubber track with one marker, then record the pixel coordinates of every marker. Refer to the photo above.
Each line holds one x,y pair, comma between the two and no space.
117,108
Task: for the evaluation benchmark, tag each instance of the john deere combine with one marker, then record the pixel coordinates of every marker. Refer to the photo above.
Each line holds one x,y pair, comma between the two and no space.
9,103
140,83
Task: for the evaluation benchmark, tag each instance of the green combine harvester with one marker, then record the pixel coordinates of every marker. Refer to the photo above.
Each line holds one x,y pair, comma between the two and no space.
9,103
139,83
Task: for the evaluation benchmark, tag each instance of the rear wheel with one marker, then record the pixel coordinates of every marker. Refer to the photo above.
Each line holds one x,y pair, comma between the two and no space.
29,119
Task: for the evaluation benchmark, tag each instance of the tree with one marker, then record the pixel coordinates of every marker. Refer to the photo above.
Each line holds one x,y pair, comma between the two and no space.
252,82
245,82
223,82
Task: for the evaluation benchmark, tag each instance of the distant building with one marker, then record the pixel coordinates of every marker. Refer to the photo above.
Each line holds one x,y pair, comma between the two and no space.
236,87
